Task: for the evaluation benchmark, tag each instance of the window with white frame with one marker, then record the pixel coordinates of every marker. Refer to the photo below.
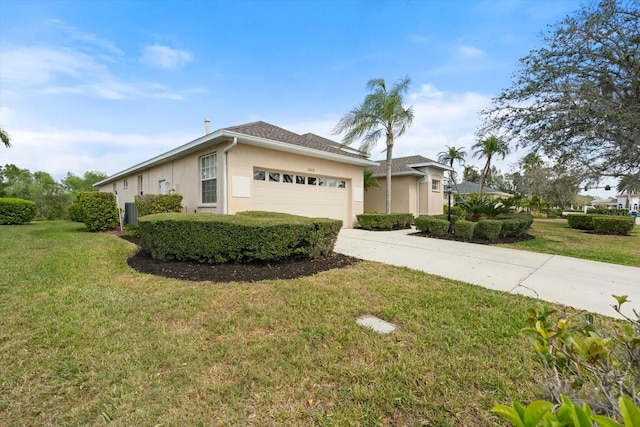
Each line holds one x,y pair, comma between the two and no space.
163,186
435,184
139,184
125,184
208,179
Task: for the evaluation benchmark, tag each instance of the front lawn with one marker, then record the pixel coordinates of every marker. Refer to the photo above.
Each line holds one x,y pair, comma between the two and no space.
554,236
87,340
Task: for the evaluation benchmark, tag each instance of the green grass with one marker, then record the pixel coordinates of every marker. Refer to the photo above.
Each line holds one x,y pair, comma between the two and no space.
85,340
556,237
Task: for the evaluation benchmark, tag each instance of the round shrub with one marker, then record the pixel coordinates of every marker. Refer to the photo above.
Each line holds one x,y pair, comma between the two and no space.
74,210
445,216
512,228
99,210
422,223
488,229
580,221
619,225
464,229
16,211
438,227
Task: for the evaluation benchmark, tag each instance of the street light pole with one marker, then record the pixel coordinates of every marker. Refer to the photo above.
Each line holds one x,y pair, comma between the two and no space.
448,188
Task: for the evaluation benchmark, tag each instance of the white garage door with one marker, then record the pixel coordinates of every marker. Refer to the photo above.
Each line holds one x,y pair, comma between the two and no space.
301,194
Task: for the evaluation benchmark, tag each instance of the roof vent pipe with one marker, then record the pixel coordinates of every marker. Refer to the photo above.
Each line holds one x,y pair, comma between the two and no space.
207,126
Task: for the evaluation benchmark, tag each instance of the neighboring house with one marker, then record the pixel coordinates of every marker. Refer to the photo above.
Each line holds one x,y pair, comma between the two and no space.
608,203
417,186
255,166
467,188
634,201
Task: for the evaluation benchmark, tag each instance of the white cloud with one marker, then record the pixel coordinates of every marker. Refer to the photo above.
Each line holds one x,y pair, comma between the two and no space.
164,57
78,34
60,151
467,51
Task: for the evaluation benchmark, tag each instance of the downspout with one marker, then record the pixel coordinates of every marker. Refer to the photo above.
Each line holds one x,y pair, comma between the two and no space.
424,179
225,208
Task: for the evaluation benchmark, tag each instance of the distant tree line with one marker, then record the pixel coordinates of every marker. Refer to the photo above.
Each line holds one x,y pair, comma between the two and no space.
50,196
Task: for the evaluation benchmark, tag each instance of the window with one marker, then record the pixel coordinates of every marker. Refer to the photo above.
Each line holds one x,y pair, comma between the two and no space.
208,178
332,183
259,175
300,179
435,185
115,189
139,184
274,176
163,186
322,182
342,184
125,184
287,178
312,180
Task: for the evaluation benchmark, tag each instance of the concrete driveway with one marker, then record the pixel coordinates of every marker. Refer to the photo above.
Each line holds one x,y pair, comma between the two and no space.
574,282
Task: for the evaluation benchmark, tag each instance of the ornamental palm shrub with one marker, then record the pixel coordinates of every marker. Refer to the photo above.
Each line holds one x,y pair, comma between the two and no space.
16,211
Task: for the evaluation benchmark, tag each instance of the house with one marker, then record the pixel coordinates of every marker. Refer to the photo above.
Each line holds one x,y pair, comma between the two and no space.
255,166
608,203
417,186
466,188
633,201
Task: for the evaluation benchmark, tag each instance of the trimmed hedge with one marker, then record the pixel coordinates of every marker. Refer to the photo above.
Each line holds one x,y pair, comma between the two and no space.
147,204
580,221
422,223
98,210
438,227
488,229
74,210
464,229
394,221
16,211
613,224
250,236
445,216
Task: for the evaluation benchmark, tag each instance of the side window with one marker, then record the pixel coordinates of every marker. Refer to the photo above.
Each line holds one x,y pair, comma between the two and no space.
208,178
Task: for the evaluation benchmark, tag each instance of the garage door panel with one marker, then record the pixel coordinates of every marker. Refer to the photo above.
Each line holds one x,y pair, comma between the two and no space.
301,199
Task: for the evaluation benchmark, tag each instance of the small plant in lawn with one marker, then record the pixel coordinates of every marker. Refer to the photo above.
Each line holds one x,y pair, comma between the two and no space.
596,366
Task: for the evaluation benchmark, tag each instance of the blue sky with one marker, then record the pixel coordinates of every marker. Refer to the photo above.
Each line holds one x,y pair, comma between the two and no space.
102,85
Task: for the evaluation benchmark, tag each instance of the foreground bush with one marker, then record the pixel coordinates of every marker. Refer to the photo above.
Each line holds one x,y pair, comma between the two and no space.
252,236
394,221
463,229
620,225
580,221
422,223
595,365
98,210
488,229
147,204
16,211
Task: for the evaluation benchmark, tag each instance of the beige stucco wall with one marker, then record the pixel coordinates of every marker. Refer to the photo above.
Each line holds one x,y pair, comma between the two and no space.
183,176
409,193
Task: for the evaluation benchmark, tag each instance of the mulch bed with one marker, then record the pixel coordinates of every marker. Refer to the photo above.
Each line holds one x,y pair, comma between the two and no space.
141,261
476,240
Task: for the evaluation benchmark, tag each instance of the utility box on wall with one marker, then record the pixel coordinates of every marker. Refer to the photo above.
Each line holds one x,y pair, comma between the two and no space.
130,214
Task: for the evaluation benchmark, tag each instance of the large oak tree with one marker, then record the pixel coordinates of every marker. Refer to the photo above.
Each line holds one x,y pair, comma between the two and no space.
577,98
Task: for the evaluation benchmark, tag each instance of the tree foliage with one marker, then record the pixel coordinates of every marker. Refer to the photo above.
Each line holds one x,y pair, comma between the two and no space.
382,113
449,156
4,138
577,98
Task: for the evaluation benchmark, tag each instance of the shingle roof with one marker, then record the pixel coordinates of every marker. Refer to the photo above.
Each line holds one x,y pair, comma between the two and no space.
264,130
467,187
402,166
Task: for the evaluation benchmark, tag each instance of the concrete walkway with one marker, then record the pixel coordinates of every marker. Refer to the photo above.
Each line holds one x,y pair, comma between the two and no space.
574,282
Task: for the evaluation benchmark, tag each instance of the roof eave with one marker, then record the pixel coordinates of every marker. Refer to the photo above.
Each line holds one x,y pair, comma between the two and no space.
430,164
222,134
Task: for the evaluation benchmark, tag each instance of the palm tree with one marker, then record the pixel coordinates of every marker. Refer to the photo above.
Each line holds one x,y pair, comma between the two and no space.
4,137
450,155
629,184
531,162
370,181
381,113
488,148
